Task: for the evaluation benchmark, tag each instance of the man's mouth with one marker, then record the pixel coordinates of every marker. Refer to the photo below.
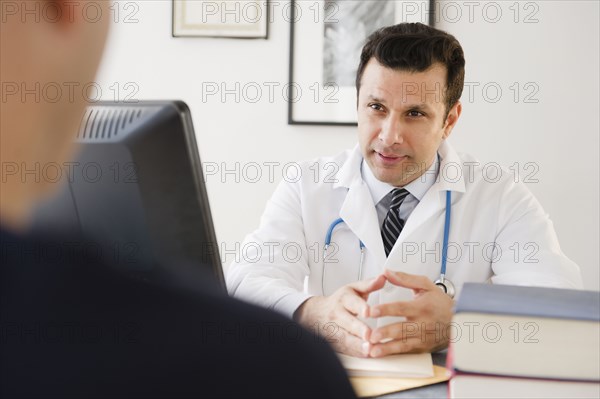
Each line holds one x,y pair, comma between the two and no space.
390,157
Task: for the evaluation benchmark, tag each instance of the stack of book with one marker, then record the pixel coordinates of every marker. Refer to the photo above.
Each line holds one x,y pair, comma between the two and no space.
525,342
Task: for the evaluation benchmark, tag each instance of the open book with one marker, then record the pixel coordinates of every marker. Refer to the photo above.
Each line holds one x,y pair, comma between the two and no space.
411,365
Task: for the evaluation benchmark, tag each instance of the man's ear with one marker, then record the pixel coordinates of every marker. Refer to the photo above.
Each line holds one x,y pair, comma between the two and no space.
66,13
452,119
58,13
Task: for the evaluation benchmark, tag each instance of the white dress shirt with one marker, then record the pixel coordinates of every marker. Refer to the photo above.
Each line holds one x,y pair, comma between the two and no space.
380,191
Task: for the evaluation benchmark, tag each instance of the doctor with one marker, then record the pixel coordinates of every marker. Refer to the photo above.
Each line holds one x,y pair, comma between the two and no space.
413,212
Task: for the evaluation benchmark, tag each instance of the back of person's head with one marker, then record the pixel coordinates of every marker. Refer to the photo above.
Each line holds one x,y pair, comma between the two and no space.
415,47
49,53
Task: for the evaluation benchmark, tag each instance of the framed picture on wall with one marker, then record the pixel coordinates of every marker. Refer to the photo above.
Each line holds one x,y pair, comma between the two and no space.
326,39
245,19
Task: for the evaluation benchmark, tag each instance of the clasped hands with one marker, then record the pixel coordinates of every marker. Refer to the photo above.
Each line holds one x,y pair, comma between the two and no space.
336,317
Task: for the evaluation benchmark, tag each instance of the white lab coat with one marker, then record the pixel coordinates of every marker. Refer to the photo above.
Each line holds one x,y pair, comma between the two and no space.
287,247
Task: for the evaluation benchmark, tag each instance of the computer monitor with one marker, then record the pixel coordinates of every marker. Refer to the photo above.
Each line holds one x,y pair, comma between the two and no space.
136,190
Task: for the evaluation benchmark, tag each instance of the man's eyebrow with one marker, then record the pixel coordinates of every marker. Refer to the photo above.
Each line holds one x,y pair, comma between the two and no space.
414,106
376,99
418,106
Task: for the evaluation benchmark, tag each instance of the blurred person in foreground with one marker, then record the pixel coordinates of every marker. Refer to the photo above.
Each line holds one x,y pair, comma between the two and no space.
71,326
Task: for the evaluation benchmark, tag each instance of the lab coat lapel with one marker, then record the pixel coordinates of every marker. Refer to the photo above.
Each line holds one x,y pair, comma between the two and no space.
358,210
431,204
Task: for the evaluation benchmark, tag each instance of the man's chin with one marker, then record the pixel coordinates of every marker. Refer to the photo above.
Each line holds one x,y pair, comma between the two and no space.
389,177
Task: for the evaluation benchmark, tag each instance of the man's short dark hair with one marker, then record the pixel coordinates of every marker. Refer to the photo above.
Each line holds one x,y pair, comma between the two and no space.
414,47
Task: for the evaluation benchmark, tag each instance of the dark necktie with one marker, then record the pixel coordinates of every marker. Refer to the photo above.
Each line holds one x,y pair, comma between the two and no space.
392,224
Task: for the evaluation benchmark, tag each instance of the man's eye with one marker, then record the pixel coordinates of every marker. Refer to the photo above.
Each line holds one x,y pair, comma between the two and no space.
414,114
376,107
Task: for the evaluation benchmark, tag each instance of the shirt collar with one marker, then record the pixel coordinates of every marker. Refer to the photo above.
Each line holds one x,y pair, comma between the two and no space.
417,188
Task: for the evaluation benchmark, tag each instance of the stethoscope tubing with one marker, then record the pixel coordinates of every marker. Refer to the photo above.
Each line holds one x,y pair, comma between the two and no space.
444,283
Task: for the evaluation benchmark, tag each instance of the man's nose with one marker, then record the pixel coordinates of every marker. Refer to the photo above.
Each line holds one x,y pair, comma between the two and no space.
392,132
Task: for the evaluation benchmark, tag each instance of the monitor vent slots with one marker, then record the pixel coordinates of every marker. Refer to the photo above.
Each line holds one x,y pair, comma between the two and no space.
105,123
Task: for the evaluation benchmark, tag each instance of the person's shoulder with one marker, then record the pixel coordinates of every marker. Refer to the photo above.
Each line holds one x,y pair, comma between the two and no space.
47,252
339,158
183,314
294,352
50,261
489,185
313,178
325,168
477,174
319,175
39,264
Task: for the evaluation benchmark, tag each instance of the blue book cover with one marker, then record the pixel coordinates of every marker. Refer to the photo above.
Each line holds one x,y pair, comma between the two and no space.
529,301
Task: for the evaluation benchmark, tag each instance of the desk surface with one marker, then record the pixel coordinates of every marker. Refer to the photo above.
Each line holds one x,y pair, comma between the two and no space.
437,391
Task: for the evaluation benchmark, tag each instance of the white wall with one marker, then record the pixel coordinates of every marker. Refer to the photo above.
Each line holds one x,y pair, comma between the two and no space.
558,55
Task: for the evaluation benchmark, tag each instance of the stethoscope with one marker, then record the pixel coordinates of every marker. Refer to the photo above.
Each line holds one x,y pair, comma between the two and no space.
443,283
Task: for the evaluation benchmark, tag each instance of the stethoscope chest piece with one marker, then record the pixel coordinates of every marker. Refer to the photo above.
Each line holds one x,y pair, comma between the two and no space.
446,286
